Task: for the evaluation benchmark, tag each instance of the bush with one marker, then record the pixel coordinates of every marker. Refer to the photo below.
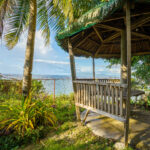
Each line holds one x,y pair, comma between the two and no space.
13,89
27,116
27,120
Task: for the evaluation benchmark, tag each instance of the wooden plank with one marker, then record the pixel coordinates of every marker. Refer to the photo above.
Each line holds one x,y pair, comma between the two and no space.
98,97
77,98
82,93
117,102
113,99
93,96
121,102
95,99
86,86
112,84
109,98
102,112
105,98
128,29
89,95
101,91
86,114
79,93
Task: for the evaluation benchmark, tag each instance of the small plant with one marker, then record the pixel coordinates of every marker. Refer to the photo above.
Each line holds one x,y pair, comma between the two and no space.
13,89
24,118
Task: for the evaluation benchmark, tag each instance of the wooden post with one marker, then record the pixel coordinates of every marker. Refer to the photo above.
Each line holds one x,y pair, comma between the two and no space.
128,30
73,75
123,57
93,68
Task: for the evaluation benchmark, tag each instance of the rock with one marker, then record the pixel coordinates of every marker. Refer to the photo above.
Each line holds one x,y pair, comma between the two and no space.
119,146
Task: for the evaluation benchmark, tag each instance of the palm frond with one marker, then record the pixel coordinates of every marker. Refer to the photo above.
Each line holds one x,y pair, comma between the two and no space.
42,20
16,22
3,6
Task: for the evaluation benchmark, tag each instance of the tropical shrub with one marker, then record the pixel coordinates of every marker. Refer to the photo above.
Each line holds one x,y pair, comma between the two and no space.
37,87
28,116
13,89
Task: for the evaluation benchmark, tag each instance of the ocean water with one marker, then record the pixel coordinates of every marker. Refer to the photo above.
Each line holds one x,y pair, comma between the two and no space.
62,86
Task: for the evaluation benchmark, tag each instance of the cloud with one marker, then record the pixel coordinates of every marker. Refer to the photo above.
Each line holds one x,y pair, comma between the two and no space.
100,69
51,62
115,69
84,69
39,43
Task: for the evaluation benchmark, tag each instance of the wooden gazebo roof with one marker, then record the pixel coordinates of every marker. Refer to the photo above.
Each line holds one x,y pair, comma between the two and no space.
98,32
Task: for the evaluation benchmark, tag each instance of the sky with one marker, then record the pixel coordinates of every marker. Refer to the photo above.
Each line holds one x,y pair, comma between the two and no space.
50,60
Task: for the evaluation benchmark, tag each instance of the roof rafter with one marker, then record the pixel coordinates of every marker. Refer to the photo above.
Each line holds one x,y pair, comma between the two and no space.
82,41
84,52
140,22
98,34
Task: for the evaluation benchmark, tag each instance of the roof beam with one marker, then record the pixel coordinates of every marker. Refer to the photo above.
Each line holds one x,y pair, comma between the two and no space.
109,27
98,44
140,22
108,55
117,17
141,53
112,37
98,50
141,35
107,40
84,52
98,34
82,41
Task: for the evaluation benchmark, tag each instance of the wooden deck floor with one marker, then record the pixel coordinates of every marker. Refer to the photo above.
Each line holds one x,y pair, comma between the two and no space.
139,135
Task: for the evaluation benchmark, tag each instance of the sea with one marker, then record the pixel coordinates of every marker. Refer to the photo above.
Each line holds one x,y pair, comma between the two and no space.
62,84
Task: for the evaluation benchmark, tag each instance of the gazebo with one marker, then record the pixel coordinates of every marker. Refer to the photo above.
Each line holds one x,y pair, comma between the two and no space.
113,29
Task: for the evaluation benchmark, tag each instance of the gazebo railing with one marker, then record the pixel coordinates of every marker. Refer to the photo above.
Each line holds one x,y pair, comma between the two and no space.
102,98
101,80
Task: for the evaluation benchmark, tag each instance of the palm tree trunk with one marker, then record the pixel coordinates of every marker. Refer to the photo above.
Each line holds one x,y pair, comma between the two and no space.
27,76
2,15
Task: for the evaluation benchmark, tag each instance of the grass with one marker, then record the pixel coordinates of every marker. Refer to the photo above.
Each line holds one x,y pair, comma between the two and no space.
72,136
68,135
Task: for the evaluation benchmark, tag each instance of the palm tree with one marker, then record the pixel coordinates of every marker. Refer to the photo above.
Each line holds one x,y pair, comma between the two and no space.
33,14
26,14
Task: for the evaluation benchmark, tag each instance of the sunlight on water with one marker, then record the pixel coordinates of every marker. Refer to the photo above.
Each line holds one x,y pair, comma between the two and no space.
62,86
